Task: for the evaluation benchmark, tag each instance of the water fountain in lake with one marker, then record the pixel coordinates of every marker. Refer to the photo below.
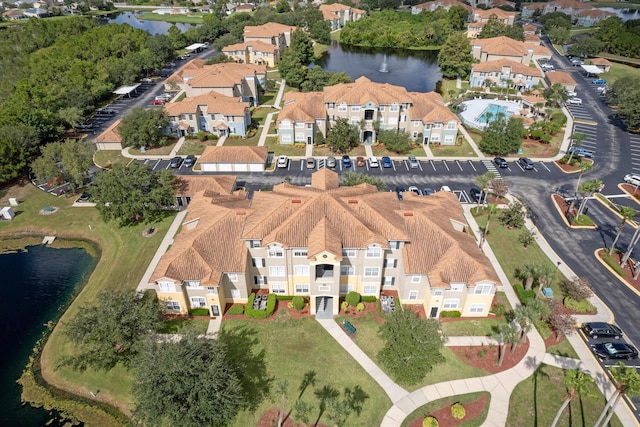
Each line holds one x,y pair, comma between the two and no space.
384,68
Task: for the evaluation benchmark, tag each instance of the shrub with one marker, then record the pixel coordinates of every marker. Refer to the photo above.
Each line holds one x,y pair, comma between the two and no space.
368,298
360,306
199,312
577,289
298,303
212,137
344,306
513,216
201,135
583,306
236,309
523,294
451,313
612,262
543,329
457,411
430,422
499,309
260,314
284,297
352,298
527,237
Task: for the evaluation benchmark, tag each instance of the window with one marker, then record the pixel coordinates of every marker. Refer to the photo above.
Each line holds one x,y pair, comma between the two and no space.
301,270
331,117
450,303
258,262
390,263
373,252
347,270
389,281
331,105
355,108
233,276
415,134
345,289
452,125
427,126
371,271
278,289
260,280
355,120
167,287
369,290
235,293
437,125
277,271
394,244
309,125
254,243
285,138
482,290
300,137
173,305
190,116
477,308
300,252
285,125
302,288
416,279
349,252
435,138
393,120
381,108
198,302
300,125
192,283
413,294
275,252
438,292
417,123
212,290
448,138
457,287
342,107
394,107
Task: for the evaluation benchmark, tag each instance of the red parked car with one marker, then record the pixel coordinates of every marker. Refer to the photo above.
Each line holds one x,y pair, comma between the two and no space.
157,102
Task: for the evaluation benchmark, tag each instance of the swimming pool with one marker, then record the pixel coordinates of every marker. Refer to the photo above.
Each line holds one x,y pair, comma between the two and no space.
491,112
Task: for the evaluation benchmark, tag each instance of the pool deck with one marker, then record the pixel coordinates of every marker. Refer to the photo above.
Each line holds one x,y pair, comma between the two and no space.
475,107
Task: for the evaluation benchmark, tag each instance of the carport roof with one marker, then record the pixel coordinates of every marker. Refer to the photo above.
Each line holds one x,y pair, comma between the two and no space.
591,69
125,90
195,46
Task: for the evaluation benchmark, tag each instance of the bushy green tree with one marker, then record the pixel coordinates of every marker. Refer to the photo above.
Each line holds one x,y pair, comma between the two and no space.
412,346
553,20
110,329
455,58
625,93
352,178
144,128
586,46
397,141
502,136
67,161
495,28
17,144
343,136
559,35
131,193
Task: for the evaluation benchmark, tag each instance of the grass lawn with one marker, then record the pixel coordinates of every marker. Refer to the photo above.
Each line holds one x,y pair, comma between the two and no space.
237,142
286,149
563,348
124,257
295,347
108,158
182,324
430,407
260,113
535,401
336,35
471,327
450,85
368,340
159,151
618,71
462,150
195,146
537,149
187,19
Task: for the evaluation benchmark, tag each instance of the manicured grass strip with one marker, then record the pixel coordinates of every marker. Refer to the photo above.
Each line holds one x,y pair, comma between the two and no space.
108,158
187,19
430,407
470,327
563,348
462,150
535,401
295,347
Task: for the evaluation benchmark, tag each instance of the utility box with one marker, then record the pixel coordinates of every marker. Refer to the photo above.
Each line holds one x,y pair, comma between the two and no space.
13,201
7,213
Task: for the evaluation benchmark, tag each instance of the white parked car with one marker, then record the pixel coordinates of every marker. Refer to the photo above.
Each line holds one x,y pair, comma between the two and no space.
373,162
574,101
283,162
572,94
632,179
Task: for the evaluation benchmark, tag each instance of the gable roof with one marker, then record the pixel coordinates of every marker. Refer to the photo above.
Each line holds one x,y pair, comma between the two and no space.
110,134
443,3
270,29
189,185
255,45
430,108
499,13
364,90
227,74
501,45
498,64
302,107
230,154
600,61
211,102
560,77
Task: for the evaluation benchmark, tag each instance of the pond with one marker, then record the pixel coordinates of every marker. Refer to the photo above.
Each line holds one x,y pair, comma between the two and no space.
37,282
417,71
153,27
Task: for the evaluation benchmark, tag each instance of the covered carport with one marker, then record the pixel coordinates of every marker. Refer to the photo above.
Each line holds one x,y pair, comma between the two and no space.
196,47
127,90
591,70
233,159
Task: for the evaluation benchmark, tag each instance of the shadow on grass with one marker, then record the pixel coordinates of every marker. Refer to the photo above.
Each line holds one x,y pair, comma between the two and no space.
250,366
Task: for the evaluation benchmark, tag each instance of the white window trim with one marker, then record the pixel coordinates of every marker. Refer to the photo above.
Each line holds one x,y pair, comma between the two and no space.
372,272
369,290
457,287
233,277
279,288
450,304
482,289
301,291
350,270
259,262
300,270
167,287
175,305
390,263
198,302
350,252
300,252
346,288
275,252
477,308
438,292
277,271
413,295
416,279
376,252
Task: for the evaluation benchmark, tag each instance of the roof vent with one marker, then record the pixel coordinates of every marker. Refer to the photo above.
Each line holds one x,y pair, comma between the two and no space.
353,202
407,213
240,212
296,201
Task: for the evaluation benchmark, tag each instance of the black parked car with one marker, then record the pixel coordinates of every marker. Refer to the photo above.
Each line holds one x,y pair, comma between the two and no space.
526,163
476,194
601,329
189,161
176,162
500,162
614,350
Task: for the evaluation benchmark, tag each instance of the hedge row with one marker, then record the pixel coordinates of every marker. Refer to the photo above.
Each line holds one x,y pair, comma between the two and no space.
199,312
451,313
260,314
523,295
236,309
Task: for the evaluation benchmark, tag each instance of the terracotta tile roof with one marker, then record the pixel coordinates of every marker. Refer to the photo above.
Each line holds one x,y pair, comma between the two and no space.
569,3
328,16
476,24
230,154
430,108
110,134
530,27
209,103
541,51
364,90
600,61
270,29
516,67
187,70
443,3
501,45
532,99
499,13
497,3
302,107
227,74
595,13
324,238
189,185
325,180
532,38
560,77
531,6
335,7
256,46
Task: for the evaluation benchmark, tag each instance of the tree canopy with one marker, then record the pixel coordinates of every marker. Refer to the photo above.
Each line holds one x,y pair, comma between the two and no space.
349,179
17,144
625,93
343,136
502,136
412,346
67,161
455,58
397,141
144,128
618,37
495,28
131,193
111,330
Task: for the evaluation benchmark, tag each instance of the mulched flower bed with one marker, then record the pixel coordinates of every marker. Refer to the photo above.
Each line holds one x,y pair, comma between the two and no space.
486,357
628,270
539,149
566,167
631,189
445,419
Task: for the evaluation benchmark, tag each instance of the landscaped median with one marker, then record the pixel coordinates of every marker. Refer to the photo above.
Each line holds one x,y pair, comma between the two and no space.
566,212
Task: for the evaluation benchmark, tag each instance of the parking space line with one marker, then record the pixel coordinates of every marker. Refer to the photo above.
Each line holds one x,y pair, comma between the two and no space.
459,165
393,165
545,166
444,162
518,164
420,165
432,165
472,166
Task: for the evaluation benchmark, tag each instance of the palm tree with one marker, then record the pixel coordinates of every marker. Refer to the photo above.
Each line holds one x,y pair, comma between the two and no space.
282,389
483,181
627,383
492,208
505,333
626,213
576,141
528,273
487,83
584,167
587,189
577,382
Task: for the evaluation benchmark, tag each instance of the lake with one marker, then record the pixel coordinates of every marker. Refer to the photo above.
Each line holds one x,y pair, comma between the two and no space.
417,71
153,27
37,282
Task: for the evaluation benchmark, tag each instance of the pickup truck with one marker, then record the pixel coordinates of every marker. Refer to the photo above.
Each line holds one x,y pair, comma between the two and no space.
579,151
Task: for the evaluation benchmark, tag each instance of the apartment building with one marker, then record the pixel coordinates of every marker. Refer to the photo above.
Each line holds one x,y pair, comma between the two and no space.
503,47
271,33
323,241
371,107
339,14
254,52
445,4
505,73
